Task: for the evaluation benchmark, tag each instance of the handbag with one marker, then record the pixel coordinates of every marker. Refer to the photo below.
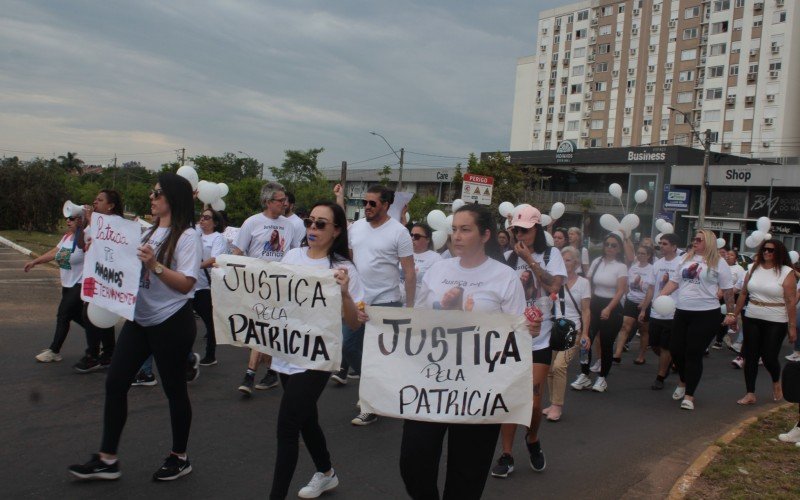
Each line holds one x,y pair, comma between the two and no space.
564,331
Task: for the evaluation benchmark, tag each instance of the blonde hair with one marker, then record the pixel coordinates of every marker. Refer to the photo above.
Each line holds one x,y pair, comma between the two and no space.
711,254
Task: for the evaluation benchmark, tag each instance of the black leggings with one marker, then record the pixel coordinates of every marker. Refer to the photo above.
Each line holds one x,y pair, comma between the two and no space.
298,416
470,451
692,331
608,330
96,336
762,339
202,305
170,343
69,309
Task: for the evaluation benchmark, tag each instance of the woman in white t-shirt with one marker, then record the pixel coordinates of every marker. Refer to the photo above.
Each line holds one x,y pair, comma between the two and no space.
489,286
609,278
326,235
424,255
700,276
163,326
640,280
770,313
214,244
576,241
68,254
577,293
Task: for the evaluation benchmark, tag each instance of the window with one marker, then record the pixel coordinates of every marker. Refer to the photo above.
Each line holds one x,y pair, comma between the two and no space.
714,137
720,5
604,48
688,54
774,66
601,86
716,71
734,70
665,122
599,105
736,47
647,122
580,34
569,36
553,74
738,24
605,30
572,125
601,67
779,17
579,52
607,11
740,3
576,88
574,106
717,49
570,18
583,15
712,115
689,33
631,84
712,94
758,21
679,119
598,124
557,39
595,143
577,70
691,12
555,57
621,8
564,90
686,76
538,111
721,27
684,97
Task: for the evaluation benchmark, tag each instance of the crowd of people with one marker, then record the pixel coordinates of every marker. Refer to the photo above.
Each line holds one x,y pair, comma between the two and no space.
597,305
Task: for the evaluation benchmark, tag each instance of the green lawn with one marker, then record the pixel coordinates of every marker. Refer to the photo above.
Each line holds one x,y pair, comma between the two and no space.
36,241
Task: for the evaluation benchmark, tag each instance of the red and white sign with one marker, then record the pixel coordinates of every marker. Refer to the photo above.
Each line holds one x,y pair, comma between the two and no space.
477,189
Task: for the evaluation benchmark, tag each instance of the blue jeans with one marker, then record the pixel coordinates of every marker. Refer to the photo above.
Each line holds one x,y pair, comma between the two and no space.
353,342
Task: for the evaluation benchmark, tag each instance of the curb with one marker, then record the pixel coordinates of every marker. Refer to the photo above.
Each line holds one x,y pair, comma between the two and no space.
684,483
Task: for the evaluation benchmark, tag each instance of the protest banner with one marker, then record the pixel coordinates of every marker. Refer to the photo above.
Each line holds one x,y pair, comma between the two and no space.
291,312
447,366
111,269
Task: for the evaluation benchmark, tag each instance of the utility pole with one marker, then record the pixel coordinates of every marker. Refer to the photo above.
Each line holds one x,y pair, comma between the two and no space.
183,156
400,174
343,176
701,217
114,181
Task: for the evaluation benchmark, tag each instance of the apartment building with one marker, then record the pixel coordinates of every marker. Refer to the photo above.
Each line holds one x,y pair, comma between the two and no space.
607,73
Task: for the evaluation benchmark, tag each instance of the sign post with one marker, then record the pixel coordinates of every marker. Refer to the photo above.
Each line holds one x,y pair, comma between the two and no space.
477,189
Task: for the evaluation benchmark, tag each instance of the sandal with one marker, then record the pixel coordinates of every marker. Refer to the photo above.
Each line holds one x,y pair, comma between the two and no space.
639,361
746,401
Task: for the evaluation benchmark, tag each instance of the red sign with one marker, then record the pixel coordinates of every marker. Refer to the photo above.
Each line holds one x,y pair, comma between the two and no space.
479,179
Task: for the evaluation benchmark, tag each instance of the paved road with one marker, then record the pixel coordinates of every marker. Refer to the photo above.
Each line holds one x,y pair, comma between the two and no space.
630,442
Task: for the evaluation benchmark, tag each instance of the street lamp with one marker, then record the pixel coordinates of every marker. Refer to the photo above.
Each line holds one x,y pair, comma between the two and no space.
769,201
701,216
262,165
399,157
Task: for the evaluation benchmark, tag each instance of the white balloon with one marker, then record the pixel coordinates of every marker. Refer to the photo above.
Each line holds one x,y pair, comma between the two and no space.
549,238
218,204
667,228
545,220
615,190
223,189
190,175
207,192
437,220
794,256
640,196
506,208
101,318
629,222
449,222
660,224
658,237
609,222
507,224
758,237
721,242
557,210
750,242
767,236
664,305
458,203
763,224
439,239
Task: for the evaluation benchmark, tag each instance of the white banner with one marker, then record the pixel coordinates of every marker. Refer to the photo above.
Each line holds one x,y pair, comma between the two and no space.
111,269
291,312
447,366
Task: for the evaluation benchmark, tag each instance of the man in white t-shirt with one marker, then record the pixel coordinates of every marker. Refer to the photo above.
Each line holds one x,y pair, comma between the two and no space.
297,222
267,236
378,243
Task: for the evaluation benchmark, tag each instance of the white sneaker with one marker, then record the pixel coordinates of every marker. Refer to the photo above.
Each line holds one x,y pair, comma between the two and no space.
581,383
687,405
679,393
319,484
795,356
48,356
595,368
793,436
600,385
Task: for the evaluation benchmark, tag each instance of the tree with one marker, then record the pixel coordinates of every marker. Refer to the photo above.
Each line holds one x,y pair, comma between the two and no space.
384,174
243,200
297,167
510,181
71,163
420,206
227,168
34,192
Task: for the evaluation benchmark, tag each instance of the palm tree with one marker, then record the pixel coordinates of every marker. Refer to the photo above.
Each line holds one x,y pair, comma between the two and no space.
71,163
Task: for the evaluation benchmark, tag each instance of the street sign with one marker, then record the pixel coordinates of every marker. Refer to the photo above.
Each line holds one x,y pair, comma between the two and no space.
676,199
477,189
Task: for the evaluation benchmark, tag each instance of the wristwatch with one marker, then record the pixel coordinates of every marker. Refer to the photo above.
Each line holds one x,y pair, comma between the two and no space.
159,269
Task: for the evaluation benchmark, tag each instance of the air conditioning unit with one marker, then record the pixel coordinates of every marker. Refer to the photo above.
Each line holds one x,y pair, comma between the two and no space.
594,22
553,63
589,74
703,61
616,53
751,77
646,128
699,103
544,31
564,79
628,111
539,83
758,6
635,12
654,28
549,116
635,31
548,133
629,90
631,71
673,23
650,86
561,116
768,121
668,66
619,34
774,73
587,95
649,109
778,3
775,48
587,114
626,130
657,7
592,39
633,52
586,143
565,62
731,99
584,134
552,81
667,86
615,73
750,99
726,145
560,134
543,48
663,127
541,65
651,68
538,100
753,52
652,48
590,58
536,135
765,144
770,97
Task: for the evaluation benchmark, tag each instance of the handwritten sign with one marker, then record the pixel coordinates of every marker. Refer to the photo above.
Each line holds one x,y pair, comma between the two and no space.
291,312
447,366
111,269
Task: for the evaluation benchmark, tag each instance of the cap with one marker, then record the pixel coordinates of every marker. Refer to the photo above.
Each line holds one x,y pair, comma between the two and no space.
525,216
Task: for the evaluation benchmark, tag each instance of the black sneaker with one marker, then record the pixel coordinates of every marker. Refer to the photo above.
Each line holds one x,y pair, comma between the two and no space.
208,361
504,467
657,385
269,381
105,359
340,377
144,379
354,375
96,469
172,469
247,384
364,418
87,364
538,462
193,367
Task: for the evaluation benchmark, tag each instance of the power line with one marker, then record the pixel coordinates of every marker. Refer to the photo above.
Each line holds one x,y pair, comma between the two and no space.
439,156
107,155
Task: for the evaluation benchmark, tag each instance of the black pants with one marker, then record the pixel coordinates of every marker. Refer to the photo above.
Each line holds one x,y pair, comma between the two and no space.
607,329
353,342
470,451
762,339
69,309
692,331
96,336
170,343
202,306
298,416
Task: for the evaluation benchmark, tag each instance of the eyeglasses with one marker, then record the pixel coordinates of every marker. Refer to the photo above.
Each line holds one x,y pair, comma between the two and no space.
206,217
71,219
156,193
279,200
520,230
416,236
768,249
610,245
698,240
317,223
371,203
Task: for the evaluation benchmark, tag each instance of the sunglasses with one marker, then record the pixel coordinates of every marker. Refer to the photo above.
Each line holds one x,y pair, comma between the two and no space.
317,223
206,217
520,230
71,219
768,250
370,203
698,240
610,245
156,193
279,200
415,236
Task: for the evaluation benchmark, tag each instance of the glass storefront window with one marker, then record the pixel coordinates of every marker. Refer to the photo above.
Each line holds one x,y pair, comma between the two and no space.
727,203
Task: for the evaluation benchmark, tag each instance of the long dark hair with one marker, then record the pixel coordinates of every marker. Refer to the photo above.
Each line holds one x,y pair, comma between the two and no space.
780,257
339,251
219,221
428,232
564,233
485,222
114,196
178,192
539,246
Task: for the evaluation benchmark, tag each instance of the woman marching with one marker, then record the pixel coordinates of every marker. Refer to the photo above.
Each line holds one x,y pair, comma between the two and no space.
701,274
163,326
214,244
491,286
771,287
640,281
326,239
576,241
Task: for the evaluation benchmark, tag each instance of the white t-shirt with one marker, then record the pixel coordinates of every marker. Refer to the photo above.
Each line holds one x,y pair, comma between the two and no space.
533,290
664,271
422,262
698,284
265,238
156,301
639,279
584,260
376,254
299,256
70,263
490,287
582,289
738,273
604,275
214,244
765,285
446,254
299,230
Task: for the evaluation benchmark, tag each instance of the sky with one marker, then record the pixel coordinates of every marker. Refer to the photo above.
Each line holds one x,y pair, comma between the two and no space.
143,79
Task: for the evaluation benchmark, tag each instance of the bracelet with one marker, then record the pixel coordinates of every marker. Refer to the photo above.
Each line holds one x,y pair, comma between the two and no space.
731,314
